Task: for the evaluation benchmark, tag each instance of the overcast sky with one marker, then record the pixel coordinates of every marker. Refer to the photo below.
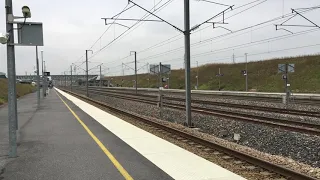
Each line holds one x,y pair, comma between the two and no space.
71,27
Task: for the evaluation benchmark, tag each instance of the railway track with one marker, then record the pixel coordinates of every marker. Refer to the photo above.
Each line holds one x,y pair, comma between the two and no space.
312,102
222,104
303,127
296,126
195,140
250,107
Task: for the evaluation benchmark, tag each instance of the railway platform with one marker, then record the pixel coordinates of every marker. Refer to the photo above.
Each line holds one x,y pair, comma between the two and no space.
67,138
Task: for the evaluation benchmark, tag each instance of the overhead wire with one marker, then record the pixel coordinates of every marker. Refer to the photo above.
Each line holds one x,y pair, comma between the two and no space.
107,45
116,17
196,31
161,43
79,58
213,2
268,40
220,36
152,47
255,54
147,15
267,52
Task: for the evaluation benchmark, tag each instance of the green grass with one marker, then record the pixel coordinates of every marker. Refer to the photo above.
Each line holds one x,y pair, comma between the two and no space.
22,89
263,76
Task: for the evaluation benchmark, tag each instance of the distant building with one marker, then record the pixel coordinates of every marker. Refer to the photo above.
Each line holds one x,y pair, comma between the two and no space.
3,75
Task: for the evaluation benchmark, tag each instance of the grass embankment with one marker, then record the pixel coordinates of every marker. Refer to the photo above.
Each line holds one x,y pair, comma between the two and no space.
22,89
263,76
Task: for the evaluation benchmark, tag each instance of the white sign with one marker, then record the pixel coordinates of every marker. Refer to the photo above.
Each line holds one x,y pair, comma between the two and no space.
154,69
165,68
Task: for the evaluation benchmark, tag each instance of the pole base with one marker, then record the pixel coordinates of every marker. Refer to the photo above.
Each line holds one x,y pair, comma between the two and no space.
189,125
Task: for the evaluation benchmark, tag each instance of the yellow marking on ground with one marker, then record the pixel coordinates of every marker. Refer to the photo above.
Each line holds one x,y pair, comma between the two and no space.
124,173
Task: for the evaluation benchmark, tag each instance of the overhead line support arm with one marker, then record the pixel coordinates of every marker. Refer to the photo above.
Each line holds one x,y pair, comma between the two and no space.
130,1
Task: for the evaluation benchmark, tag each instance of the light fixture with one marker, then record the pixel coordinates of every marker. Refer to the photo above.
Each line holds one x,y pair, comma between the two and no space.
4,38
26,12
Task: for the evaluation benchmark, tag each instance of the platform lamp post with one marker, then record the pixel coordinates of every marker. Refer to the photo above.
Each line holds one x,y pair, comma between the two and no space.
43,93
38,78
87,73
33,30
45,85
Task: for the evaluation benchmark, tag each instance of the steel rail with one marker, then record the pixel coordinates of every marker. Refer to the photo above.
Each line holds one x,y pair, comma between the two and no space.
296,126
232,105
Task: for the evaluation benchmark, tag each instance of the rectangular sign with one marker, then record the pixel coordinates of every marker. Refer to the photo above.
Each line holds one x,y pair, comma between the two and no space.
154,69
46,73
165,68
290,67
30,34
281,68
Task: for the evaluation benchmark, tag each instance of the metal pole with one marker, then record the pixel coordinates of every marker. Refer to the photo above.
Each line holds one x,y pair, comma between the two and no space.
219,78
43,93
71,78
286,85
246,55
100,77
233,58
135,71
65,80
87,76
38,78
160,102
45,80
160,74
197,75
187,61
12,100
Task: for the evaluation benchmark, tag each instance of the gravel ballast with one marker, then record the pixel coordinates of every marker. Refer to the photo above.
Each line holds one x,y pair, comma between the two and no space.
301,147
287,148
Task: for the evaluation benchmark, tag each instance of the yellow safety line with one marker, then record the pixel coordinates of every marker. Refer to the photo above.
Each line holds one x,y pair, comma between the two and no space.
124,173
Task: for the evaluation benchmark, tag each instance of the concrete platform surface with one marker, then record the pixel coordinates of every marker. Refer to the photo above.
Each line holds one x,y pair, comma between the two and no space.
177,162
54,145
